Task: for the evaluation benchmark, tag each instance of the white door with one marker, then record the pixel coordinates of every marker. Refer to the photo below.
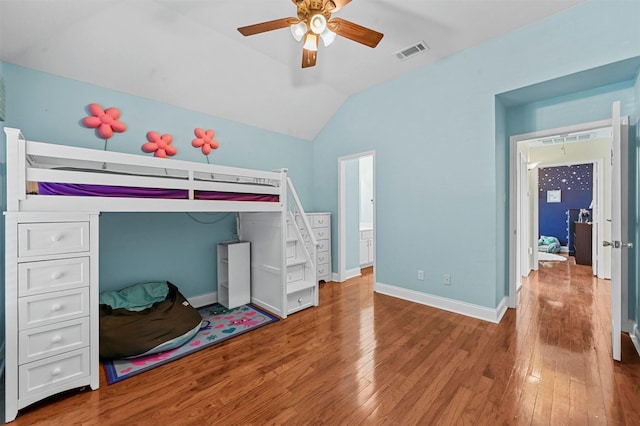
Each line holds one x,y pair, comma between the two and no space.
619,234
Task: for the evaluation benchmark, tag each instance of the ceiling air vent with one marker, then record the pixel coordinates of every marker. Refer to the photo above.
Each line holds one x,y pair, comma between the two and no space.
411,51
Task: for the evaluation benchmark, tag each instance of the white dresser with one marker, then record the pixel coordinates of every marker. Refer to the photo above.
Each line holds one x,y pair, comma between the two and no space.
321,226
51,297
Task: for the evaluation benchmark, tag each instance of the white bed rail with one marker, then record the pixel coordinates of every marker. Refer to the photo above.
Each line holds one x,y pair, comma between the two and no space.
44,162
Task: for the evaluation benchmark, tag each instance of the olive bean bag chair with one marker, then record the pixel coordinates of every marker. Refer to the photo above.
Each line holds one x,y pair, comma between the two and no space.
144,319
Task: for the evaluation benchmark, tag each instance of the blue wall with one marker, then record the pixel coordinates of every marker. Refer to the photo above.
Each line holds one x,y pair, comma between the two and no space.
150,246
440,135
442,170
575,183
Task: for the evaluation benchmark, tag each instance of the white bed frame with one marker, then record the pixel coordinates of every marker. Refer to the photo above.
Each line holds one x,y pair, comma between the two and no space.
266,224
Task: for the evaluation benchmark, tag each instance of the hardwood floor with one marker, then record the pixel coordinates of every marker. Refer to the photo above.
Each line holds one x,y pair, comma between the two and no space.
364,358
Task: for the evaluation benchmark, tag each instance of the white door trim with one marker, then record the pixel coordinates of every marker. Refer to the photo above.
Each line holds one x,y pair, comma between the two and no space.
342,214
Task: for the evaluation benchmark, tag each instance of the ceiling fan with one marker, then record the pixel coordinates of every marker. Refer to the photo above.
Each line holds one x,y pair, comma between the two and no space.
314,21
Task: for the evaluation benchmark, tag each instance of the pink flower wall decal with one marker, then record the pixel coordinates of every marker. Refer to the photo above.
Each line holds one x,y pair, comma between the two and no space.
104,121
159,145
204,140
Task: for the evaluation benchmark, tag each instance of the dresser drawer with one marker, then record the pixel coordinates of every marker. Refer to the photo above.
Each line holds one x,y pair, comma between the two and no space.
36,239
323,271
42,376
52,275
42,342
323,245
365,235
319,220
322,233
300,300
323,257
49,308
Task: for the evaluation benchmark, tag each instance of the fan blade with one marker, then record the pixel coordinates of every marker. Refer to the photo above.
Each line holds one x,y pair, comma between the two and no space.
355,32
309,58
339,5
267,26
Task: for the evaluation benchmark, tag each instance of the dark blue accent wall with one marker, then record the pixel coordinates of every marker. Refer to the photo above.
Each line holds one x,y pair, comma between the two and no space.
575,183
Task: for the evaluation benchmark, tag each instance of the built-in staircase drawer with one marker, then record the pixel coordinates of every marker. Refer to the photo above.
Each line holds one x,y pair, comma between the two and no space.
52,275
42,376
54,339
48,308
300,300
35,239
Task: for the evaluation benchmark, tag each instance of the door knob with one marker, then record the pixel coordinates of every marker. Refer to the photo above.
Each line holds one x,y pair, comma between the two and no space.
617,244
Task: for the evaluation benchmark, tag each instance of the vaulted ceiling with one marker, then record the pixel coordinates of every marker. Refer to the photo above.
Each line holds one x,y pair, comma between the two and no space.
189,53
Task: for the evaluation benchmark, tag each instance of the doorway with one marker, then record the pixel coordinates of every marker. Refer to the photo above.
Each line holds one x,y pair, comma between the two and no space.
616,231
356,214
527,238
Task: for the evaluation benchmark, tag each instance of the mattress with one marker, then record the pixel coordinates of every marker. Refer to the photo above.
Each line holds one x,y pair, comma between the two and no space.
83,190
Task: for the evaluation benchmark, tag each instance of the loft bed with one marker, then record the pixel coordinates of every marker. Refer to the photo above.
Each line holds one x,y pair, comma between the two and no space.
55,194
47,177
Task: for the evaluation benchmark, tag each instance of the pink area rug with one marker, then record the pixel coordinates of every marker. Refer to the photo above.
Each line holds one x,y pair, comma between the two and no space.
218,324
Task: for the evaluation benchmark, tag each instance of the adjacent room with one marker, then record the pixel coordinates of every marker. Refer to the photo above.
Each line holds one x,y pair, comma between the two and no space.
319,212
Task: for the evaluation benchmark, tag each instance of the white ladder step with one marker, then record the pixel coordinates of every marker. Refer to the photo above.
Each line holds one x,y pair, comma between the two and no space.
298,286
296,262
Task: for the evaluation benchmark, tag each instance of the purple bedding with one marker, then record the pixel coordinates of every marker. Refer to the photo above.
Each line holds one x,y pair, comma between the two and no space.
135,192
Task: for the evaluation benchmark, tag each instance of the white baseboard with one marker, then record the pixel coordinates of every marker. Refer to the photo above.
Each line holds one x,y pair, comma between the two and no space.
203,300
352,273
451,305
635,337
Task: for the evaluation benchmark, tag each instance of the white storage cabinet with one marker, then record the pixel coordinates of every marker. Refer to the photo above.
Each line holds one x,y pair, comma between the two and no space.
234,273
366,247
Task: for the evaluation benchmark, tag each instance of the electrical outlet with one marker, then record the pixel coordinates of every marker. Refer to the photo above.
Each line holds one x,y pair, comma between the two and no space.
420,274
447,279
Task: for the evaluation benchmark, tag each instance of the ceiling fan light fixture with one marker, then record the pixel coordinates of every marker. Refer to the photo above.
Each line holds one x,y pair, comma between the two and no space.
318,23
311,42
298,30
327,37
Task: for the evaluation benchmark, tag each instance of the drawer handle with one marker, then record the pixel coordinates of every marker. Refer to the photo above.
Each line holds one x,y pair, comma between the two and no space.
56,307
56,371
56,275
56,339
56,237
300,300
